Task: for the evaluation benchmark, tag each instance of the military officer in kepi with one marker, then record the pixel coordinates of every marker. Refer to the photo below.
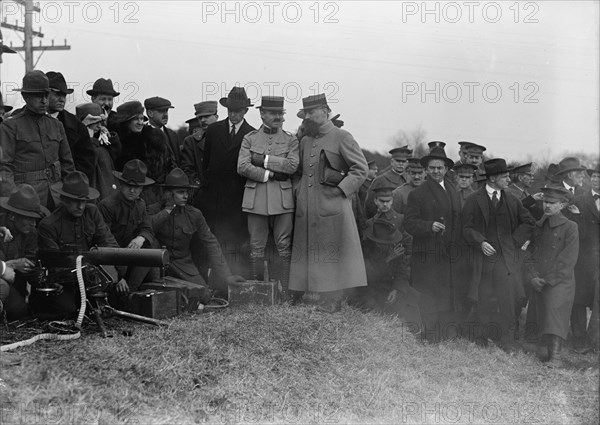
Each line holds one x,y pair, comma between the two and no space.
268,156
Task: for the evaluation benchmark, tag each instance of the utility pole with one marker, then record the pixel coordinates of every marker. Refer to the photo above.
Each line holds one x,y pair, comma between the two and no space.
29,34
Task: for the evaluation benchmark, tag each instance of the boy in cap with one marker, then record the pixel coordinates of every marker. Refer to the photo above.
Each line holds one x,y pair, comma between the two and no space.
124,213
268,157
75,226
19,216
415,174
550,272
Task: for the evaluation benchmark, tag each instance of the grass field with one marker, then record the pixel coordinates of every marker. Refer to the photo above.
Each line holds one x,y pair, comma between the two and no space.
287,365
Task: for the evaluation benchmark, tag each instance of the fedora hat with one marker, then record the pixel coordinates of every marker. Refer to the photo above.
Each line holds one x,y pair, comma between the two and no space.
591,171
556,193
566,165
128,111
35,82
551,174
271,103
313,102
204,109
76,185
437,153
157,103
495,166
24,200
383,231
58,83
134,174
89,113
236,99
5,108
103,86
178,179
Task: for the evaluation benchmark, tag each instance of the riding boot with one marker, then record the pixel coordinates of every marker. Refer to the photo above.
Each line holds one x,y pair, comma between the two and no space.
554,359
257,268
285,277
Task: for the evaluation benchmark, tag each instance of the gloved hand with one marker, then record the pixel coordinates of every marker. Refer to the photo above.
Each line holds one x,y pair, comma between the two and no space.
280,176
538,283
257,159
337,122
233,279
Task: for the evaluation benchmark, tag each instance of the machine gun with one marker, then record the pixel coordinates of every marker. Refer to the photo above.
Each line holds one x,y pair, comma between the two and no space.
58,268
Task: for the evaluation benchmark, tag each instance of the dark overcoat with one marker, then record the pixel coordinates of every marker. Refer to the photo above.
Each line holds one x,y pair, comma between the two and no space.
475,216
586,270
82,150
555,247
326,253
434,254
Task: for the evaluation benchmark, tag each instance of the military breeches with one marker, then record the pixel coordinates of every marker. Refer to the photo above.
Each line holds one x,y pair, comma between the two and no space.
259,226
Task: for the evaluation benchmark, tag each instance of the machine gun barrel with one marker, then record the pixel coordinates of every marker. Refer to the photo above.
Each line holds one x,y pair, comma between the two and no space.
128,257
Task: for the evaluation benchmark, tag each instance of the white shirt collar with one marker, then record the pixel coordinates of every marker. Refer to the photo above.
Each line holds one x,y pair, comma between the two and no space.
568,187
237,126
490,191
54,114
442,184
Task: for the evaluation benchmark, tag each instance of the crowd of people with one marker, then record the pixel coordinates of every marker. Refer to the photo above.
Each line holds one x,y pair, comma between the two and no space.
457,249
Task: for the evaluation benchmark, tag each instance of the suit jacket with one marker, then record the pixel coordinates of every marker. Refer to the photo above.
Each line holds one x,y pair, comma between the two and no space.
587,268
191,158
475,216
82,149
221,199
173,143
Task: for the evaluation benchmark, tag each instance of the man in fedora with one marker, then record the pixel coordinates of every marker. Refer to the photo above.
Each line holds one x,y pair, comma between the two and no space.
432,217
394,176
496,226
415,174
182,229
192,153
103,93
522,178
550,271
587,268
268,157
33,146
19,214
157,109
82,150
124,213
571,173
75,226
332,168
221,198
3,108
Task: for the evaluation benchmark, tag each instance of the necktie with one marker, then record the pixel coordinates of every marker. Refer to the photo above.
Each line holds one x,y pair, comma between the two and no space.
232,134
572,190
495,199
596,197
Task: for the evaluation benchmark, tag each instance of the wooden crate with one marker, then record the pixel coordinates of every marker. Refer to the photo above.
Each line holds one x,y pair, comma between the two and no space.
154,304
254,292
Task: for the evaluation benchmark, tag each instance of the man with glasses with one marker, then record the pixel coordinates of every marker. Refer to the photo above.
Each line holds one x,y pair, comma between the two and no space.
395,176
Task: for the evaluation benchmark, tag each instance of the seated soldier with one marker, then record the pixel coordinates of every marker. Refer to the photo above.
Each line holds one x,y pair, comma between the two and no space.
124,213
180,227
20,213
75,226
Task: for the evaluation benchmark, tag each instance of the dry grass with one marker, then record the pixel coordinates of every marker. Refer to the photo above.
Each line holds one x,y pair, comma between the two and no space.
288,365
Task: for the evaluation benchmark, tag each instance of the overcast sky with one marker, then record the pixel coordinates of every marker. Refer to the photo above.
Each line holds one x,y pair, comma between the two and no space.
520,78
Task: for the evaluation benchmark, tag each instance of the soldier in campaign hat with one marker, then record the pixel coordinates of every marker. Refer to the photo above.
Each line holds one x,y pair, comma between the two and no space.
550,272
157,109
268,157
46,156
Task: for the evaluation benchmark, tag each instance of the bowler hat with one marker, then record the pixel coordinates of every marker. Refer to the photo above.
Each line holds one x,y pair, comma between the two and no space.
89,113
495,166
401,153
556,193
35,82
591,171
271,103
313,102
236,99
383,231
206,108
437,153
6,108
569,164
58,83
103,86
128,111
24,200
178,179
157,103
436,144
76,185
134,174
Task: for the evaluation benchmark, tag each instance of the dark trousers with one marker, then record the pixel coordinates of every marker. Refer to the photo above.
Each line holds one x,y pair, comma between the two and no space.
51,307
497,304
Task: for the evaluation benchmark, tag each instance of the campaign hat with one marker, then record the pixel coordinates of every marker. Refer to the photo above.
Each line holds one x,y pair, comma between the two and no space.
134,173
384,231
35,82
25,201
76,185
178,179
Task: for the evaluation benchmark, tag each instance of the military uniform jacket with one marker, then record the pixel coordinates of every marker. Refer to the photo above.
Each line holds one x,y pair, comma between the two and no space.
400,196
183,228
20,246
126,220
33,150
391,178
272,197
191,158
